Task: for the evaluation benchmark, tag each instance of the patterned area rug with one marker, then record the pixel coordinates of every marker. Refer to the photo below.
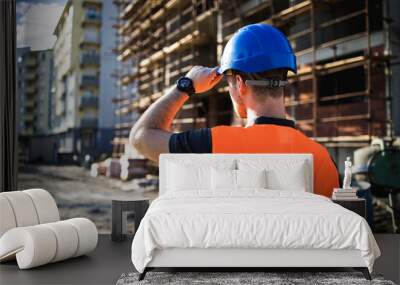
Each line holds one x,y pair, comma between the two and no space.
243,278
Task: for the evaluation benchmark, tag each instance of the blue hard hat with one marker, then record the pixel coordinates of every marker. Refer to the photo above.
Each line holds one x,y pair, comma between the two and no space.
258,48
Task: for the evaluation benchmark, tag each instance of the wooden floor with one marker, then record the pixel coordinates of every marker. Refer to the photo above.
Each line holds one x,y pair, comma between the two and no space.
110,260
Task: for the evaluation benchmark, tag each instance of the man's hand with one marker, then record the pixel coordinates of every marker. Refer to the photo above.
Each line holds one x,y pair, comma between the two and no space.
204,78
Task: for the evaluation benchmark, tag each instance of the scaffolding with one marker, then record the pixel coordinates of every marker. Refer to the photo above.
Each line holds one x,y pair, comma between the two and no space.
160,42
126,91
339,96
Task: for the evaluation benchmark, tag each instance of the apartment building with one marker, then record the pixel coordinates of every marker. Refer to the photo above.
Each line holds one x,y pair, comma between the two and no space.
34,81
83,65
34,93
342,96
22,54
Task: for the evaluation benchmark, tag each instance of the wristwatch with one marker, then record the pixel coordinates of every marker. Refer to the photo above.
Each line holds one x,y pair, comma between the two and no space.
185,84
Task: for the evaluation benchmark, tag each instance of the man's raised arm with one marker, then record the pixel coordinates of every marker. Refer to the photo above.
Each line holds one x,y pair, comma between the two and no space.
150,135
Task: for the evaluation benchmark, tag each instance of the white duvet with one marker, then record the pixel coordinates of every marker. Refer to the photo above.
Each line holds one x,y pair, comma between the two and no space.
250,219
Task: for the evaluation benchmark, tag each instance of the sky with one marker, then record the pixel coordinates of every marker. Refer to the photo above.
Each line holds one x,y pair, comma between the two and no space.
36,21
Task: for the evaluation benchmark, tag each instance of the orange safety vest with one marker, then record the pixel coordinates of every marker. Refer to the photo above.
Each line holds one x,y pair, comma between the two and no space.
271,138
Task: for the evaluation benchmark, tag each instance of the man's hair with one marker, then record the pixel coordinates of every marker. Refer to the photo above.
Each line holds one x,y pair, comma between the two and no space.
262,91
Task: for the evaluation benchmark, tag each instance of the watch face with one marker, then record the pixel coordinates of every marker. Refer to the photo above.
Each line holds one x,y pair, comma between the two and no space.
184,82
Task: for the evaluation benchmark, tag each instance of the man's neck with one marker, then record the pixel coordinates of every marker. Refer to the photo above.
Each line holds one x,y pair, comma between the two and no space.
252,115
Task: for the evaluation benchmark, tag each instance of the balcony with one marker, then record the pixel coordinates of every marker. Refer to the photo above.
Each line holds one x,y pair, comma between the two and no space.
31,76
91,18
28,117
31,62
89,81
89,123
90,59
31,90
29,104
90,40
91,3
88,102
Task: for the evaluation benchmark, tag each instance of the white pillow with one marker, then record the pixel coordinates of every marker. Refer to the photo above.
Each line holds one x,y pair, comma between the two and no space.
230,180
223,179
189,175
293,179
285,174
251,178
183,177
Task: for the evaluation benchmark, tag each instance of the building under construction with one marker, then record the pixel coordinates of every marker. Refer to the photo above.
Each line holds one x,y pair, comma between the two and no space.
341,96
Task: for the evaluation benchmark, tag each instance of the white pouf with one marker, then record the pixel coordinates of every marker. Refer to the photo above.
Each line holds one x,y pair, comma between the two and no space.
32,246
46,207
67,237
23,209
87,234
31,233
7,220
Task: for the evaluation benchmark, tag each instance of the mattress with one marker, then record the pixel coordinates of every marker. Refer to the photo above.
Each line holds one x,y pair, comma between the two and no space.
251,219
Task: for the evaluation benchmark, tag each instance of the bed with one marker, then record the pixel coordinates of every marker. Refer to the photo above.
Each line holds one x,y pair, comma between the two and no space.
245,211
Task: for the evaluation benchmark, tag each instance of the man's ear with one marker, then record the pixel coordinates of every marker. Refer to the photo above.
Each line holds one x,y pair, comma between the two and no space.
241,85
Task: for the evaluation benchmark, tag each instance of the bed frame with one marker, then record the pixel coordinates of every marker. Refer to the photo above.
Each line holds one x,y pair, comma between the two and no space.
249,259
244,259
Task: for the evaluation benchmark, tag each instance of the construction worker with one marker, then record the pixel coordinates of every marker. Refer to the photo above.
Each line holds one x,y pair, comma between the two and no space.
255,63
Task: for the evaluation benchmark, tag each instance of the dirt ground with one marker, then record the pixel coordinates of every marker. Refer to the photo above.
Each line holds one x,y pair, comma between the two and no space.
77,194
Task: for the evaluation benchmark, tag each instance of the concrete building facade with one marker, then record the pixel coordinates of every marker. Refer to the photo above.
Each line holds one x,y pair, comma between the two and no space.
21,71
34,82
82,101
34,93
